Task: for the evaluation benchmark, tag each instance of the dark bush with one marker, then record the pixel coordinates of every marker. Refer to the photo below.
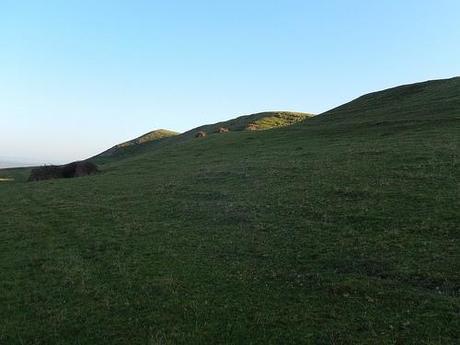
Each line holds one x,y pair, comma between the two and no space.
76,169
200,134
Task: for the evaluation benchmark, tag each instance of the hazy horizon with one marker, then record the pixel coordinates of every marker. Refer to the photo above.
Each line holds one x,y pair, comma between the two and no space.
13,162
80,77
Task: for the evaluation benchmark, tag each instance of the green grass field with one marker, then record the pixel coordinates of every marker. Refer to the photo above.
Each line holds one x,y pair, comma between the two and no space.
342,229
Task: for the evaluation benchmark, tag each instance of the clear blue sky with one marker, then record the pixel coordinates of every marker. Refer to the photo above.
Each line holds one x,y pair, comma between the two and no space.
78,76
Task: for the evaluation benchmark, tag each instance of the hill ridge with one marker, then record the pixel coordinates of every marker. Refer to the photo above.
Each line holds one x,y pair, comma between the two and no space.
258,121
151,136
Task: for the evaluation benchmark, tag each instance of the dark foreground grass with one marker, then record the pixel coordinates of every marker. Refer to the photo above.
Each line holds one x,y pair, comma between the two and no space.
327,232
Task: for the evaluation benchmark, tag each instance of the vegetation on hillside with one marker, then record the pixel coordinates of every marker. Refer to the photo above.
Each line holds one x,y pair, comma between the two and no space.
342,229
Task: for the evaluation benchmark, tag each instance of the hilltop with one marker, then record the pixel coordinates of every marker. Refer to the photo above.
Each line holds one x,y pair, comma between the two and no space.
131,145
341,229
254,122
418,104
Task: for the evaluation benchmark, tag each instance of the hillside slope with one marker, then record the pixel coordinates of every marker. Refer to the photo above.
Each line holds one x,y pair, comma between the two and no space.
158,138
254,122
415,104
131,146
342,229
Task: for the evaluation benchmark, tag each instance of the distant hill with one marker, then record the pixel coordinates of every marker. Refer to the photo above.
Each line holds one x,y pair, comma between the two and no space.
143,139
259,121
157,138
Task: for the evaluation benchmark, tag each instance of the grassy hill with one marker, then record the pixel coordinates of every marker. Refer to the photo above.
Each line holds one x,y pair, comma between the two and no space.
131,146
342,229
259,121
156,139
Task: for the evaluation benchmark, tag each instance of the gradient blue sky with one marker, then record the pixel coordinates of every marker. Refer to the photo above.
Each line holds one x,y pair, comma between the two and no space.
77,77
